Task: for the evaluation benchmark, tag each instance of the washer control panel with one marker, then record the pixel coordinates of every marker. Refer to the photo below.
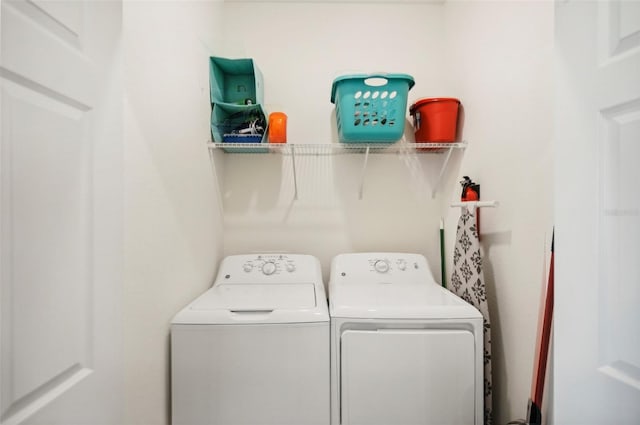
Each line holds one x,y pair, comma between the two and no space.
269,267
380,266
393,263
268,264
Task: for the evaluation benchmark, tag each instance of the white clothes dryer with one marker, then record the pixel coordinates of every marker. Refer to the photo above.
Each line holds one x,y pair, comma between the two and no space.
404,350
254,348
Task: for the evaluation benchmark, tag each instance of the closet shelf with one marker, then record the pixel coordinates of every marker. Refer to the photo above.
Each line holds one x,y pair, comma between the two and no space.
337,148
327,149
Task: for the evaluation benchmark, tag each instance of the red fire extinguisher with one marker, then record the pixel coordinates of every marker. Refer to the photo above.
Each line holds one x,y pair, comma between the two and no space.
471,192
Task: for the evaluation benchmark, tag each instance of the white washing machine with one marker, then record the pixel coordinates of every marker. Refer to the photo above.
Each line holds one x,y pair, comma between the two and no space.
404,350
254,348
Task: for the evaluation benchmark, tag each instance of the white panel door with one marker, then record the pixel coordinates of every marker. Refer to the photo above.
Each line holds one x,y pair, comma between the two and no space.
407,377
597,318
60,222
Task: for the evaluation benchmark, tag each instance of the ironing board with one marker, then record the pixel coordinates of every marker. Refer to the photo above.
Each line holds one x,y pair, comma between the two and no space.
467,281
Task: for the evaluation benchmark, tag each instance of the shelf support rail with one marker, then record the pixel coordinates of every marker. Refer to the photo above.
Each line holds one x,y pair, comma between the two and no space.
295,178
444,167
214,171
364,170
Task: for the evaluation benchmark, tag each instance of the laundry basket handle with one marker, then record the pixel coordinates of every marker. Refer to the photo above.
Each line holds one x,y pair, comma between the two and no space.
376,80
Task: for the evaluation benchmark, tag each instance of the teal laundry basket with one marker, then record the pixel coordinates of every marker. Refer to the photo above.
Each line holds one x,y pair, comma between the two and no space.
371,108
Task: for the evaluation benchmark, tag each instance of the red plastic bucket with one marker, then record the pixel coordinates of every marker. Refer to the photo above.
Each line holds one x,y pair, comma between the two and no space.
435,119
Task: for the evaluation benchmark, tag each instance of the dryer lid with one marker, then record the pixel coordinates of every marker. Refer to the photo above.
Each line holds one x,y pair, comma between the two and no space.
391,301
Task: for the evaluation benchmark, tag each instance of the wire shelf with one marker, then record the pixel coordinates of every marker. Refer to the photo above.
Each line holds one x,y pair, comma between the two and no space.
328,149
336,148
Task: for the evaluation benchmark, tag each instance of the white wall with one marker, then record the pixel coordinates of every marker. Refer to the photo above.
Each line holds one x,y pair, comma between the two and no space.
501,65
301,48
173,233
106,19
497,58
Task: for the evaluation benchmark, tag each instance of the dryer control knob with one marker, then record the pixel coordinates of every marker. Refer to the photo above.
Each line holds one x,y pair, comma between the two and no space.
402,265
268,268
291,267
247,267
381,266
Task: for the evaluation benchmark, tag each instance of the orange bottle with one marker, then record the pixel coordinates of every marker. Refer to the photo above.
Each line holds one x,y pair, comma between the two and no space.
277,127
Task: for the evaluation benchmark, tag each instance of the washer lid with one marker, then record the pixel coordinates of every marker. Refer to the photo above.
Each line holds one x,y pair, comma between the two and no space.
393,301
256,297
251,303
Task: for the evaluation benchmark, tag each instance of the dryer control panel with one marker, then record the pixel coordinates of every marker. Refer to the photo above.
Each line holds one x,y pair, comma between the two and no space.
265,268
388,267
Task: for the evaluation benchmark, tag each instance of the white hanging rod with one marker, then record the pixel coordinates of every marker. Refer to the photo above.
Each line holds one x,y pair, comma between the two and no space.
476,204
472,205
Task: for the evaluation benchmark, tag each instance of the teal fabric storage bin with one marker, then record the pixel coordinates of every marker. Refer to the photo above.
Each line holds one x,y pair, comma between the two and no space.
371,108
235,81
239,124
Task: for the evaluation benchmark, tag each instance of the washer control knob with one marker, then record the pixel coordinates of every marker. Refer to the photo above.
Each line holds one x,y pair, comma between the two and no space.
269,268
402,265
381,266
291,267
247,267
